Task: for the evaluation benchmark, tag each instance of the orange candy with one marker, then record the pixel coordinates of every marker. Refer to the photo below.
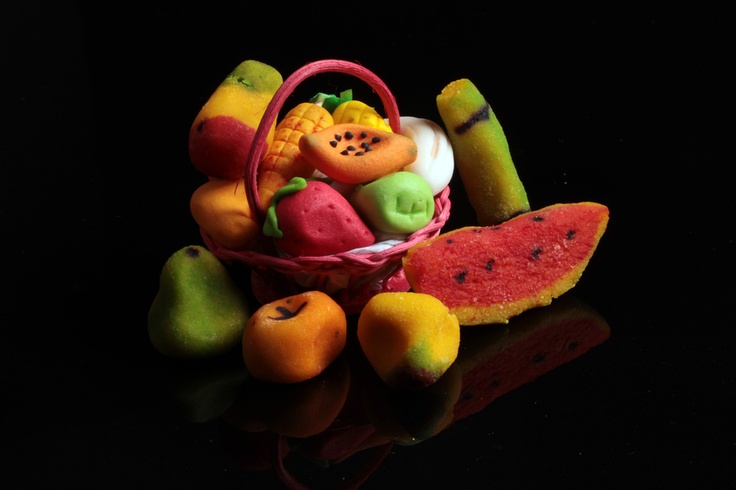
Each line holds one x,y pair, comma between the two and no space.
355,153
220,208
294,338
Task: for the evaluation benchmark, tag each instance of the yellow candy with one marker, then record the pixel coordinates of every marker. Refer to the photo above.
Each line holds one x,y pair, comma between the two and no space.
357,112
409,338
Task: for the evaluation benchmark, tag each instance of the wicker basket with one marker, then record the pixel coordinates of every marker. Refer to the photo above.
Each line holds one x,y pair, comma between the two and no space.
351,278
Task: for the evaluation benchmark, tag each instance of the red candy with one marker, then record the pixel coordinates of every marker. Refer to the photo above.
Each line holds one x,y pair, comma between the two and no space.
318,220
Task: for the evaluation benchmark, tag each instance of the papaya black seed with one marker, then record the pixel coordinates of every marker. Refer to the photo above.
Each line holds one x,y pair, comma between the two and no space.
286,313
344,152
349,135
333,144
375,139
460,278
338,137
363,134
351,148
359,153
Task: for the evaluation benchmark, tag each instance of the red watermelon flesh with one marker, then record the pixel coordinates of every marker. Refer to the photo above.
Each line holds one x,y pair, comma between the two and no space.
490,274
494,361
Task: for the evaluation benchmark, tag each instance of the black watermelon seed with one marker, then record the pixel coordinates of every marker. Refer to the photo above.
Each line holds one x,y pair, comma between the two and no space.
572,345
570,234
460,278
537,218
489,264
536,252
449,240
538,358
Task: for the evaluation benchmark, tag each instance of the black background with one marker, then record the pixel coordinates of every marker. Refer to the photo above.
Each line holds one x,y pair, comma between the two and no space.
609,103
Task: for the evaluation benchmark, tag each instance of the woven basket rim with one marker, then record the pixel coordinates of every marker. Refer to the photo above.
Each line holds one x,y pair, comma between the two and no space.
357,263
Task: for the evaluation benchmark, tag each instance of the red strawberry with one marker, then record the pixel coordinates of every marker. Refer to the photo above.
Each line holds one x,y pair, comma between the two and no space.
318,220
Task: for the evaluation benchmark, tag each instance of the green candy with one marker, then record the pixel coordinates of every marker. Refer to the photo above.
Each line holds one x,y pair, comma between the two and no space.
401,202
198,311
331,101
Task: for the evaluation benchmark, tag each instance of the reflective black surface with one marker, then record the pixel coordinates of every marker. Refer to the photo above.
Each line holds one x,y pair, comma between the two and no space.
608,104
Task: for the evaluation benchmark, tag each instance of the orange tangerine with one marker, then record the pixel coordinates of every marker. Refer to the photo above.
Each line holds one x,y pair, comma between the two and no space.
294,338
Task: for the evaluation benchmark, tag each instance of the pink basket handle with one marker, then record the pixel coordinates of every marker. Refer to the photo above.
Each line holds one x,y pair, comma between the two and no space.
277,102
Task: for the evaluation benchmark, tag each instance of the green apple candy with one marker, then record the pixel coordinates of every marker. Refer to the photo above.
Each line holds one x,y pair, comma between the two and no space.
401,202
199,311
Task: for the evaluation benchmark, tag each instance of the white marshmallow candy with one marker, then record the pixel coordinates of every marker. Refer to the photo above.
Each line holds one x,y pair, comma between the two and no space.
435,161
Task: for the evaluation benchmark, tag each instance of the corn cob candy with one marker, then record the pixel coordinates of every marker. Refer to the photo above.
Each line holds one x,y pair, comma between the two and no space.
283,160
357,112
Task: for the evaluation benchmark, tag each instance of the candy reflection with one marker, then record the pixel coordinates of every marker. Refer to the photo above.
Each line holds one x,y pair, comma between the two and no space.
346,419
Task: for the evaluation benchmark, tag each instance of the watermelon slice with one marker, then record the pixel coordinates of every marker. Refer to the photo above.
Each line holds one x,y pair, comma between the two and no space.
494,361
490,274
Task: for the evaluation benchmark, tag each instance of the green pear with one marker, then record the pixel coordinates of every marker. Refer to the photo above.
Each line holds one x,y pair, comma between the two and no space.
199,311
